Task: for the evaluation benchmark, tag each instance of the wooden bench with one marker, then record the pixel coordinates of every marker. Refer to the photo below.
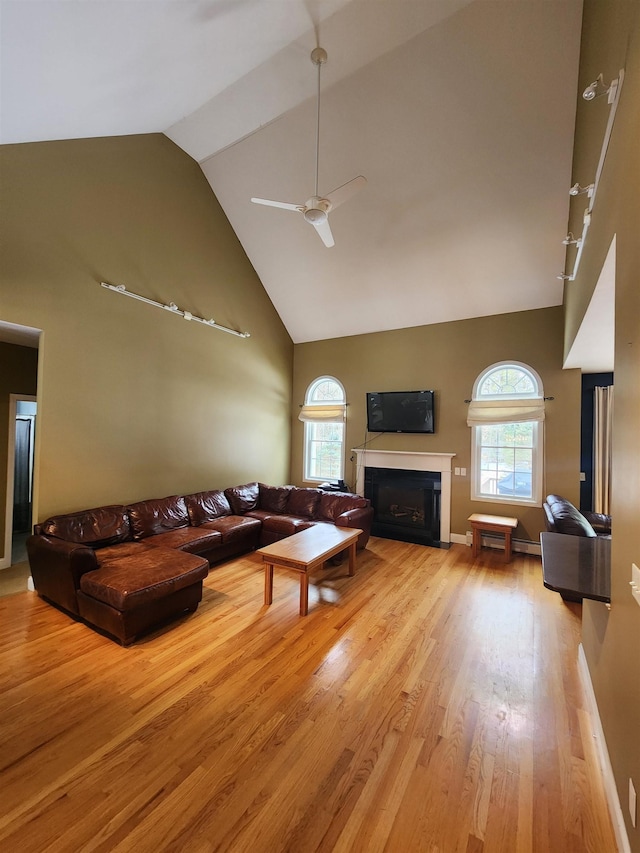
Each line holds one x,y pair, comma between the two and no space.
492,524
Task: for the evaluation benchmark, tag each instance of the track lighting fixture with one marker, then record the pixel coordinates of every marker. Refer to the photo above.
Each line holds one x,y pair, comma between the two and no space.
598,88
563,277
576,189
187,315
570,240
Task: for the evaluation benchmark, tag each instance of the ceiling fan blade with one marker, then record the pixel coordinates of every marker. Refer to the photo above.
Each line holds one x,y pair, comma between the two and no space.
324,231
341,194
285,205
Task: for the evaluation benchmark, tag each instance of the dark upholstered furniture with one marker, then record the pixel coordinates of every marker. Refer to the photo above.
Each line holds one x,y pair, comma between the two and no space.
575,571
126,569
561,516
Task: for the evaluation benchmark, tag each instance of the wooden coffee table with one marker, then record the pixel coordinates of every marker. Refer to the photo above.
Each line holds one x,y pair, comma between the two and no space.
304,552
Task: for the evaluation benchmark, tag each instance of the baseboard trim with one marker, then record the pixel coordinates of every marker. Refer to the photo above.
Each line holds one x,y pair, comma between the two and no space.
523,546
611,792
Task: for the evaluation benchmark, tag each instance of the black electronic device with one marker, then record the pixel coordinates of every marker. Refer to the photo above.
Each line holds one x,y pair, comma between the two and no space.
401,411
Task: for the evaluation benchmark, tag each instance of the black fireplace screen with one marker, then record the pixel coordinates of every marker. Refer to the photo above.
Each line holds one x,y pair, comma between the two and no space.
406,504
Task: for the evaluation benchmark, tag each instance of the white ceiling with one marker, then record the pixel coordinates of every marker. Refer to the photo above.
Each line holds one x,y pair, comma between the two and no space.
460,113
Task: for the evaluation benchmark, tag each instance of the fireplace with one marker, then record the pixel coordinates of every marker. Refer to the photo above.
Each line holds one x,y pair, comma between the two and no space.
407,460
406,504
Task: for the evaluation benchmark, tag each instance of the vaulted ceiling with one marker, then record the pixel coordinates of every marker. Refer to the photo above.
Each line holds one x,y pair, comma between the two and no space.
459,113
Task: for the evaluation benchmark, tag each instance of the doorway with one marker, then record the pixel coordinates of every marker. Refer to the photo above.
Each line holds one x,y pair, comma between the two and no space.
25,430
20,468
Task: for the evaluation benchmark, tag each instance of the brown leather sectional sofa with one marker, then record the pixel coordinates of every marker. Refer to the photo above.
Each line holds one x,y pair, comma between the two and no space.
125,569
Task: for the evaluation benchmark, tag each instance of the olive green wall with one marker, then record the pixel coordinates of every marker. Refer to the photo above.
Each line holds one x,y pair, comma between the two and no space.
134,402
448,357
18,375
611,639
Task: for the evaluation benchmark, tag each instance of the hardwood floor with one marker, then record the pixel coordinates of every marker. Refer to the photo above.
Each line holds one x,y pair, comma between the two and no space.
430,703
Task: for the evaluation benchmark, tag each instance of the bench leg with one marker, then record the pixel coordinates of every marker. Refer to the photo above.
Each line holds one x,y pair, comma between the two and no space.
507,545
476,541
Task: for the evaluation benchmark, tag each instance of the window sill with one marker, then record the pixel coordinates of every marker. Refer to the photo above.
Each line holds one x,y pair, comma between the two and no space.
507,501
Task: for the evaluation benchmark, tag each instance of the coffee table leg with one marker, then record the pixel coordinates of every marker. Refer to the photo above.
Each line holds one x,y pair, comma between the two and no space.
352,559
268,583
304,593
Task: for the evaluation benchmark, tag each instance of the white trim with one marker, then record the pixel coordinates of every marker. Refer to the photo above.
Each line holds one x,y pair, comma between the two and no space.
611,792
309,428
5,561
408,461
537,435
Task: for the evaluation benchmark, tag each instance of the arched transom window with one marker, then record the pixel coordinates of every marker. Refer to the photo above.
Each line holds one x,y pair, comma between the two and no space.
323,414
506,415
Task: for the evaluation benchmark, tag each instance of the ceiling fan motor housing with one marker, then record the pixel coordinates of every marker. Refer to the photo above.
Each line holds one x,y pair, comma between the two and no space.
316,210
315,215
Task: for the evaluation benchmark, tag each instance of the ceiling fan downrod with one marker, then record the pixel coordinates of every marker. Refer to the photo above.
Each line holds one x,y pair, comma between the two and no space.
318,57
316,209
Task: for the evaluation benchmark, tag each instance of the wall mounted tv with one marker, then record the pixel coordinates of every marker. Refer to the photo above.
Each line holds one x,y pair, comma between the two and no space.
400,411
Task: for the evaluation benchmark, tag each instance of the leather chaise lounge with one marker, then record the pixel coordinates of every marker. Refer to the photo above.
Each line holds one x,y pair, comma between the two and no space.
126,569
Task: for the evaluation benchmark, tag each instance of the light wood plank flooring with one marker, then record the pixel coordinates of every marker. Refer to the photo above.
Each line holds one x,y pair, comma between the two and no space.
430,703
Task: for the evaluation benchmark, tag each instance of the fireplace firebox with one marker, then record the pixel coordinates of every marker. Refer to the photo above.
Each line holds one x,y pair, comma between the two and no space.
406,505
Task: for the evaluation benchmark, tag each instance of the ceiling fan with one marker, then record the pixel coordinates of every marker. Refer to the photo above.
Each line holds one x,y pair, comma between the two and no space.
317,208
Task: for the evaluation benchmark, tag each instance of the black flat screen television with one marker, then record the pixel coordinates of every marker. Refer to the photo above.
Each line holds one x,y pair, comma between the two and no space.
400,411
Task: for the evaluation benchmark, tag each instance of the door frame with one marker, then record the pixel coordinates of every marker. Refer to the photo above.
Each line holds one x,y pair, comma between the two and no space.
5,562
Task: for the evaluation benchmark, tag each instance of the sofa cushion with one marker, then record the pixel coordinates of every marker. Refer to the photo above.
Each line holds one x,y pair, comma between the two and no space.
205,506
286,525
274,498
243,498
567,519
236,528
105,525
130,582
600,522
303,502
333,504
148,518
193,540
124,549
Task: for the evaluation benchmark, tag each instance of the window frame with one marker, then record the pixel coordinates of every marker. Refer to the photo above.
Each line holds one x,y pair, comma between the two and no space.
309,429
537,444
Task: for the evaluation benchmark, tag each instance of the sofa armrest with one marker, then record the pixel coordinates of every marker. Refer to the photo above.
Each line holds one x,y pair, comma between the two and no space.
549,520
362,518
57,566
600,522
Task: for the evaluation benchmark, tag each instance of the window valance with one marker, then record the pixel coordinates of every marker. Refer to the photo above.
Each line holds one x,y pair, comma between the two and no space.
484,412
329,412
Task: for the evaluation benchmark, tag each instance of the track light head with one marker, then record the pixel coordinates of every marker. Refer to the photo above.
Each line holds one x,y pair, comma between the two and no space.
598,88
563,277
576,189
570,240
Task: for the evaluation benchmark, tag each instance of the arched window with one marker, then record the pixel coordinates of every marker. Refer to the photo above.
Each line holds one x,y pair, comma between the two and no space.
505,416
323,414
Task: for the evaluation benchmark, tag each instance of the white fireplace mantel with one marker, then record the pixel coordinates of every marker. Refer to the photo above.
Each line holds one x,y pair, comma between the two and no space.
406,460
